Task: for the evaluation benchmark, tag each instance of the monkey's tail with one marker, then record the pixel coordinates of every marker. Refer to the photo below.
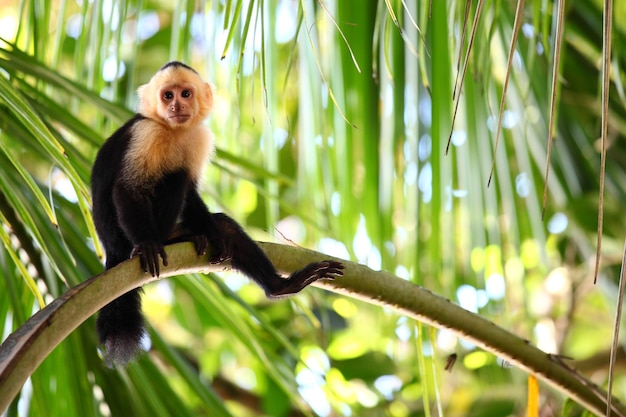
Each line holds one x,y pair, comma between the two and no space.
120,327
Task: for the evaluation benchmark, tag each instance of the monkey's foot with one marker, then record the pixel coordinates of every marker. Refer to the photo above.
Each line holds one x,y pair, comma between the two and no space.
201,243
221,251
219,258
308,275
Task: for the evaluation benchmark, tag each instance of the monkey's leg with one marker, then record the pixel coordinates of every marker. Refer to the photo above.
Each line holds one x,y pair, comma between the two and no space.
246,257
199,227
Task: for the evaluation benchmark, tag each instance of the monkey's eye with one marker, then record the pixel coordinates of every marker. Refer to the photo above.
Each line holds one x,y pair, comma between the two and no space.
186,93
168,95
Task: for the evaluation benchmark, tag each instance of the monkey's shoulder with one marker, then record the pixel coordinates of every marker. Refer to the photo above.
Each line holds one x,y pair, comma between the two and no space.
110,156
117,144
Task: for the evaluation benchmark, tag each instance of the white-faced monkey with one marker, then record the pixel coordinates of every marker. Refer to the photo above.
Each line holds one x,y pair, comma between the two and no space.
144,188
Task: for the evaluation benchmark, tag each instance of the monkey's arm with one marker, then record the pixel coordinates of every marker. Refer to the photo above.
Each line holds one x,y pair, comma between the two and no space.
148,218
135,215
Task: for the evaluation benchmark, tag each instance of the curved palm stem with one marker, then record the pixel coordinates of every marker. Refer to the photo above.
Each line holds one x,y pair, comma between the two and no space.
27,347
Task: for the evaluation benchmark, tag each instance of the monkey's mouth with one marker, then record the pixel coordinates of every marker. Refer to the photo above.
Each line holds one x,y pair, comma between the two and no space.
179,118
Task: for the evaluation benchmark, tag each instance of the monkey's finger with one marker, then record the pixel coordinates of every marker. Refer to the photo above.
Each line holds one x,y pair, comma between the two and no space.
332,274
328,270
145,259
163,256
143,263
313,272
332,265
142,259
153,264
334,269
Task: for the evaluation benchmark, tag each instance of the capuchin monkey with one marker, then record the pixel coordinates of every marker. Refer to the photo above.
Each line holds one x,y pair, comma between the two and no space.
145,195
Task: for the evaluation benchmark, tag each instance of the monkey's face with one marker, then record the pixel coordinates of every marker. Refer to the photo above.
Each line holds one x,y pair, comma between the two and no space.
176,97
178,104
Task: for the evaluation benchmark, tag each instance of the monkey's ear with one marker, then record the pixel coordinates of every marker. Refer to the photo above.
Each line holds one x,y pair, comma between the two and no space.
207,99
142,105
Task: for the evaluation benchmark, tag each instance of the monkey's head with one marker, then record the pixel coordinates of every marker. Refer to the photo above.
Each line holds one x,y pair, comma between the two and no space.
176,96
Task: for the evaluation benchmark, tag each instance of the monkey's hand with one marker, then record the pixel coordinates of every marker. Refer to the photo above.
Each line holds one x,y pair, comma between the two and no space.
149,253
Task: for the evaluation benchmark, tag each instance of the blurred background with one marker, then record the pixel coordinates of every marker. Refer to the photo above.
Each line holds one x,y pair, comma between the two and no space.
331,120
